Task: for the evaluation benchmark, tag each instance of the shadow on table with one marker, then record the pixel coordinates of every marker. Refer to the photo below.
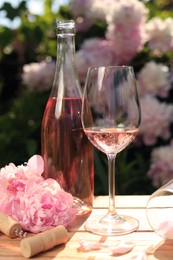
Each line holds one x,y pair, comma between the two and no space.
165,251
78,222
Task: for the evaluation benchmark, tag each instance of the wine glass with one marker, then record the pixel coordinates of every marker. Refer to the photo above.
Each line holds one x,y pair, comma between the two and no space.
160,211
110,119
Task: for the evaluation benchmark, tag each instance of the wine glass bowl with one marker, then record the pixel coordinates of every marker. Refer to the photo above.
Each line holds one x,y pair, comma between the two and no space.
110,119
159,211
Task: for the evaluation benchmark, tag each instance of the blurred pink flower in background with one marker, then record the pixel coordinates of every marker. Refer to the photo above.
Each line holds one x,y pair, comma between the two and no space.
80,7
86,12
95,52
160,34
126,28
79,10
38,76
99,9
153,79
156,117
126,43
35,203
161,168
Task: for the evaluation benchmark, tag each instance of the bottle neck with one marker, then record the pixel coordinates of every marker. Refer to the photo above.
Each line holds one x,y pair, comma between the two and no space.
66,51
66,83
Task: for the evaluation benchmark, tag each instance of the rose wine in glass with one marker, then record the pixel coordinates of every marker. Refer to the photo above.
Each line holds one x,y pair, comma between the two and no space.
110,118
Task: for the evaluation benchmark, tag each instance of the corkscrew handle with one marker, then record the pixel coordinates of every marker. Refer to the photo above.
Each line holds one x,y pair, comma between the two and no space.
10,227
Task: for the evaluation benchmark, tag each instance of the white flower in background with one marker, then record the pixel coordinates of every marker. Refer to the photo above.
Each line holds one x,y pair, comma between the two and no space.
160,34
126,27
38,76
155,120
153,79
99,9
127,13
161,168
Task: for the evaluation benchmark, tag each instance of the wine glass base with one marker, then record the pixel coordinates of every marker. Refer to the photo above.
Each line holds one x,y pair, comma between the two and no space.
111,226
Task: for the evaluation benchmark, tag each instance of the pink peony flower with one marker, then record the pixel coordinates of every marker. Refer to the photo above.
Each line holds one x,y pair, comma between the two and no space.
156,118
154,79
35,203
161,168
38,76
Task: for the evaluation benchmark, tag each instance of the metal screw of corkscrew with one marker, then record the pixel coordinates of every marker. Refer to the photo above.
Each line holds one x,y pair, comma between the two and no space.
20,233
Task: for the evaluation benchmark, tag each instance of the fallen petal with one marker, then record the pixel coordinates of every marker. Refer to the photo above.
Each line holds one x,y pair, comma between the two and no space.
36,164
138,256
166,228
87,246
122,248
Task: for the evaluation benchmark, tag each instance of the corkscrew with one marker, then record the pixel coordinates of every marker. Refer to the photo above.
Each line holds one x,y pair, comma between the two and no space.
20,233
10,227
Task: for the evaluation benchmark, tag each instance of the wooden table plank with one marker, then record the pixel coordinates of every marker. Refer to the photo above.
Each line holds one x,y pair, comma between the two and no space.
144,238
122,201
140,215
143,242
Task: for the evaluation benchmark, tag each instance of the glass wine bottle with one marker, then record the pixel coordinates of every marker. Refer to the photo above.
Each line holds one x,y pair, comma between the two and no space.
67,153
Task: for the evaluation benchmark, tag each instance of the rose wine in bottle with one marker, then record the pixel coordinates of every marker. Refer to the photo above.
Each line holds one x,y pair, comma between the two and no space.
67,152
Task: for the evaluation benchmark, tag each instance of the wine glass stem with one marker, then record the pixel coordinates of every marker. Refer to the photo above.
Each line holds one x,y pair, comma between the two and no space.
111,174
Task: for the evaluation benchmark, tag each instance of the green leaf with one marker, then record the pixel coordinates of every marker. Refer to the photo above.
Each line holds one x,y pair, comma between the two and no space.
10,11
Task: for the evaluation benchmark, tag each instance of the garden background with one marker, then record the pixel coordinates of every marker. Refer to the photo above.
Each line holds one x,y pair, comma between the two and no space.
108,32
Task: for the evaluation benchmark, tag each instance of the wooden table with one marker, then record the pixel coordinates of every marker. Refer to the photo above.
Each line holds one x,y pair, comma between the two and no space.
144,238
